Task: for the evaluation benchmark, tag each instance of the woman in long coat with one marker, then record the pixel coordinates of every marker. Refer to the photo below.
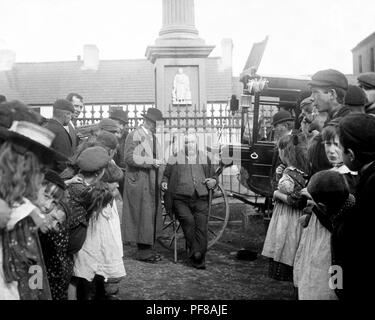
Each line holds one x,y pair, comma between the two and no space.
142,218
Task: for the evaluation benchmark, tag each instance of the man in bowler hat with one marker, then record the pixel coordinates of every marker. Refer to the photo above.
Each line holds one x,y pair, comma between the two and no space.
62,114
141,199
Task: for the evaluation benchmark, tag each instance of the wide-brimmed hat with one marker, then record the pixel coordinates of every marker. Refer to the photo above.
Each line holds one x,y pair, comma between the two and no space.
34,138
119,115
54,177
281,116
153,114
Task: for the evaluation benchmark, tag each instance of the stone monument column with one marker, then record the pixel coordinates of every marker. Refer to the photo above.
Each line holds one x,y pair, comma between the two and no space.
179,58
178,19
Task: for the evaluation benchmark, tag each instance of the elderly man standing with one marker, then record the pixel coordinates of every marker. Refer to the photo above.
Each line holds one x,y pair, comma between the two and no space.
187,182
141,200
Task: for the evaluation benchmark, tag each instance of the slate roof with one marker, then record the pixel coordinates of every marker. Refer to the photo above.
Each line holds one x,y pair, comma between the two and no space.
115,81
366,40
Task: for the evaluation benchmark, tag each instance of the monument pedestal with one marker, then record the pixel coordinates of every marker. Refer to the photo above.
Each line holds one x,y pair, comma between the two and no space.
179,47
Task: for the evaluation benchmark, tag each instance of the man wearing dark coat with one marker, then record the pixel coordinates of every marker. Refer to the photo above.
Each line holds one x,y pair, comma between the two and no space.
121,117
62,113
187,180
141,199
77,102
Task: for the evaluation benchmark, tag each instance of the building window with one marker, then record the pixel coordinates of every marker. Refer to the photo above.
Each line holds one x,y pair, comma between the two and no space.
360,63
372,59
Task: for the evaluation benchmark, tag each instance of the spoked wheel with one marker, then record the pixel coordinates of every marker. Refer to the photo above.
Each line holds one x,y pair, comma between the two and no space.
218,215
217,221
170,232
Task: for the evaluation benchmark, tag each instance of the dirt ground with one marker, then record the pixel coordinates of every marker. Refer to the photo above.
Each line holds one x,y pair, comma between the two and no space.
226,277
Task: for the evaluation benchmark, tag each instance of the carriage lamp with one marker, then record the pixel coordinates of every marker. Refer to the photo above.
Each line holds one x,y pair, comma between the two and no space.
255,85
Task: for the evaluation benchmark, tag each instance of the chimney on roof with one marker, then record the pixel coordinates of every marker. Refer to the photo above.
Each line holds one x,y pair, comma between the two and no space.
7,59
227,53
90,57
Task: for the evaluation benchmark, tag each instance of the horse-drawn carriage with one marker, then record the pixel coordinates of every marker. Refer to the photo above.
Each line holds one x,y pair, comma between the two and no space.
262,97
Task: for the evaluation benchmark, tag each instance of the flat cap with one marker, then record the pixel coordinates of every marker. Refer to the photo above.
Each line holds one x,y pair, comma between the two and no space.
63,104
108,125
328,187
357,132
355,97
93,159
107,139
329,78
367,80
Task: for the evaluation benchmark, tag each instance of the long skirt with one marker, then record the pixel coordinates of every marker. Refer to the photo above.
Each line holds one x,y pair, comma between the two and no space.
312,263
102,251
283,235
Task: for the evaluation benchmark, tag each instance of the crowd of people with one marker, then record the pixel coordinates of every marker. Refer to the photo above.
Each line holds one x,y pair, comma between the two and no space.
61,231
324,183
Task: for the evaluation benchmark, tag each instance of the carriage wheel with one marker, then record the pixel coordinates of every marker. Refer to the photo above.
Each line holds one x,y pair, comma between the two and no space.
217,221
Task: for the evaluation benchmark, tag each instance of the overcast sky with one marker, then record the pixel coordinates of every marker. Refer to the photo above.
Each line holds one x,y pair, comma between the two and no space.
304,35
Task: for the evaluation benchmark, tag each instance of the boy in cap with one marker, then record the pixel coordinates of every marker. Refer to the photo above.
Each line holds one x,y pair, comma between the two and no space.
62,114
355,99
329,88
366,81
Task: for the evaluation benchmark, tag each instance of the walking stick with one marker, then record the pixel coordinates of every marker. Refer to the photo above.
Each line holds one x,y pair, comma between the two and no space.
175,238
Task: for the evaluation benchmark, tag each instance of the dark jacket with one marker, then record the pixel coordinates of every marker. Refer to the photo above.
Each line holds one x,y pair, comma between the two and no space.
73,136
178,175
354,238
63,141
342,112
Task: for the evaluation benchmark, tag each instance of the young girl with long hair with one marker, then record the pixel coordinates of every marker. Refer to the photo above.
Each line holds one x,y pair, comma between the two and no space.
284,231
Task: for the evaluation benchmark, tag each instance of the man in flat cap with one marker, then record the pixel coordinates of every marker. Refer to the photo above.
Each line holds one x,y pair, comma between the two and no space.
77,102
62,114
329,88
366,81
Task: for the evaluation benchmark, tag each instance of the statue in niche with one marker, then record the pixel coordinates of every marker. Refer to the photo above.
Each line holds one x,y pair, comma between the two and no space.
181,93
